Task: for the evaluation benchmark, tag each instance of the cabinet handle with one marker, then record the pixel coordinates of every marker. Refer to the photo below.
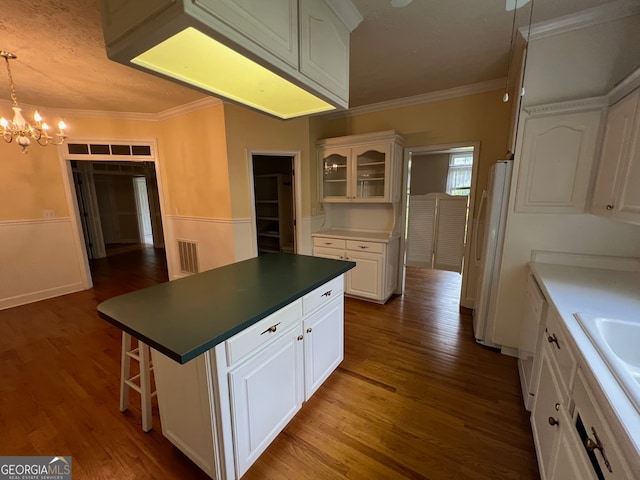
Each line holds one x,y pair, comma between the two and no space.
271,329
328,243
309,330
609,207
363,246
326,294
553,421
300,337
553,339
592,445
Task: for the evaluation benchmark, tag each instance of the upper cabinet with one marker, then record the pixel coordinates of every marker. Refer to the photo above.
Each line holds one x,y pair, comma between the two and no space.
361,168
558,154
617,189
304,42
324,47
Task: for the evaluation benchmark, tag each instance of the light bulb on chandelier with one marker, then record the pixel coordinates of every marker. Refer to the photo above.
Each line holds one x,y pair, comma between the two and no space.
19,129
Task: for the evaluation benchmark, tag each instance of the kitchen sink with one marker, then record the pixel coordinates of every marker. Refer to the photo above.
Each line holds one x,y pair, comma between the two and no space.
618,342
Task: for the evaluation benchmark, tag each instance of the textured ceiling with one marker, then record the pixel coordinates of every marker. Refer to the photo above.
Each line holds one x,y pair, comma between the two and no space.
427,46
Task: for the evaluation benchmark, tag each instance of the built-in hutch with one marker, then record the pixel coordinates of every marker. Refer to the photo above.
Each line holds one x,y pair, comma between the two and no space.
361,183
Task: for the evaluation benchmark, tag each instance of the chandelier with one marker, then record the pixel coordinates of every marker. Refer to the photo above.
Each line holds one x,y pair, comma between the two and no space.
19,128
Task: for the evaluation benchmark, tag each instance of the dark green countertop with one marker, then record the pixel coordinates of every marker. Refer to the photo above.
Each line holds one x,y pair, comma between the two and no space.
184,318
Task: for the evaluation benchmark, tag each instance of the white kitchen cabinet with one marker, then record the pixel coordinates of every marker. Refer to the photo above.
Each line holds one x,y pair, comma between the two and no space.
375,274
267,390
324,47
361,168
323,344
545,421
617,192
557,158
567,462
596,438
576,431
304,41
224,408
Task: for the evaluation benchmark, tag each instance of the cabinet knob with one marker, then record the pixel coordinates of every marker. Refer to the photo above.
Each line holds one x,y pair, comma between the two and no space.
309,330
300,337
553,339
609,207
553,421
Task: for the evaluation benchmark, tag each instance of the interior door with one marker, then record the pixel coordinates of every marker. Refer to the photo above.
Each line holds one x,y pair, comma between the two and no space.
448,249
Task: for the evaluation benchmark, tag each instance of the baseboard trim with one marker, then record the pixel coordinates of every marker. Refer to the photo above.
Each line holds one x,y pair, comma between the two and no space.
40,295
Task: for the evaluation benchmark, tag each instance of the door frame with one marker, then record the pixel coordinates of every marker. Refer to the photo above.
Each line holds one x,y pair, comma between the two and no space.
65,158
430,149
297,193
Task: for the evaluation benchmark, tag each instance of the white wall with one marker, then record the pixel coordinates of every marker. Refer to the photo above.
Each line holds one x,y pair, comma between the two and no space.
48,264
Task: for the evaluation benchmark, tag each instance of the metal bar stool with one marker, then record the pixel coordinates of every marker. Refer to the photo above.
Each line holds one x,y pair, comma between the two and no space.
141,382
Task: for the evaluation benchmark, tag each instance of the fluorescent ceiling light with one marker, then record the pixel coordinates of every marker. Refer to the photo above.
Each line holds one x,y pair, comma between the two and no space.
196,59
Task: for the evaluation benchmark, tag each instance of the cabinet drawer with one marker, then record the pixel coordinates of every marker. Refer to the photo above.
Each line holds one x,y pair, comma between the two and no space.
592,426
261,332
328,242
373,247
322,295
560,352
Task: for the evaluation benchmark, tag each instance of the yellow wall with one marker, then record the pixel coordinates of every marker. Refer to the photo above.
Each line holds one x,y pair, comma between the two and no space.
252,131
194,166
30,183
480,117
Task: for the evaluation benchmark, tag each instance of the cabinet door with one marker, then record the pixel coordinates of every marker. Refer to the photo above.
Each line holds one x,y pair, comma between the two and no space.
628,207
365,279
335,174
614,148
558,154
271,26
323,344
545,416
569,462
371,172
324,48
266,392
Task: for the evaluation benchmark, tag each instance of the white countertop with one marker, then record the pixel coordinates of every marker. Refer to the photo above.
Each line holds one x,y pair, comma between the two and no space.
356,235
610,293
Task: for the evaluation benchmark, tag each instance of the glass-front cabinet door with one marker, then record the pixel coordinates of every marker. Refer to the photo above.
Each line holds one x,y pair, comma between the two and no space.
335,174
371,171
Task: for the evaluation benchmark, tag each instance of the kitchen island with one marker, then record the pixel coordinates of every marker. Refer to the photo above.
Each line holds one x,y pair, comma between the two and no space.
237,350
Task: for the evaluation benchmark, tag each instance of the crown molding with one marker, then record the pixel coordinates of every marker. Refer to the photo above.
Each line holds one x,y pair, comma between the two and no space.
625,87
585,18
571,106
347,12
424,98
196,105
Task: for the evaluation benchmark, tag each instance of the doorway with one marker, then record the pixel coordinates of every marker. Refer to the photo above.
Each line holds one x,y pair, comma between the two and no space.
437,208
84,161
118,206
274,201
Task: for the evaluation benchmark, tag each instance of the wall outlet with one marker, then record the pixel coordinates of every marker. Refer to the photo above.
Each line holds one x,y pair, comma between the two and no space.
49,214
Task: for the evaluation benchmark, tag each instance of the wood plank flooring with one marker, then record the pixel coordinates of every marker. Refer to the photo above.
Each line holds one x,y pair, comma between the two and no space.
415,397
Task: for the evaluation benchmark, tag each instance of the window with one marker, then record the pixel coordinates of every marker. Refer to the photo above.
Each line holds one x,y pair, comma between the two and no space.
459,175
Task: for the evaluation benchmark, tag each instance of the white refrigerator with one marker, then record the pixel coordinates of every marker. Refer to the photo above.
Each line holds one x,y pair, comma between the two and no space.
496,200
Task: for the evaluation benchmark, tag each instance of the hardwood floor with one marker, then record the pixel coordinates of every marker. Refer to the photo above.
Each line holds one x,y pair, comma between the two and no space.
415,397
